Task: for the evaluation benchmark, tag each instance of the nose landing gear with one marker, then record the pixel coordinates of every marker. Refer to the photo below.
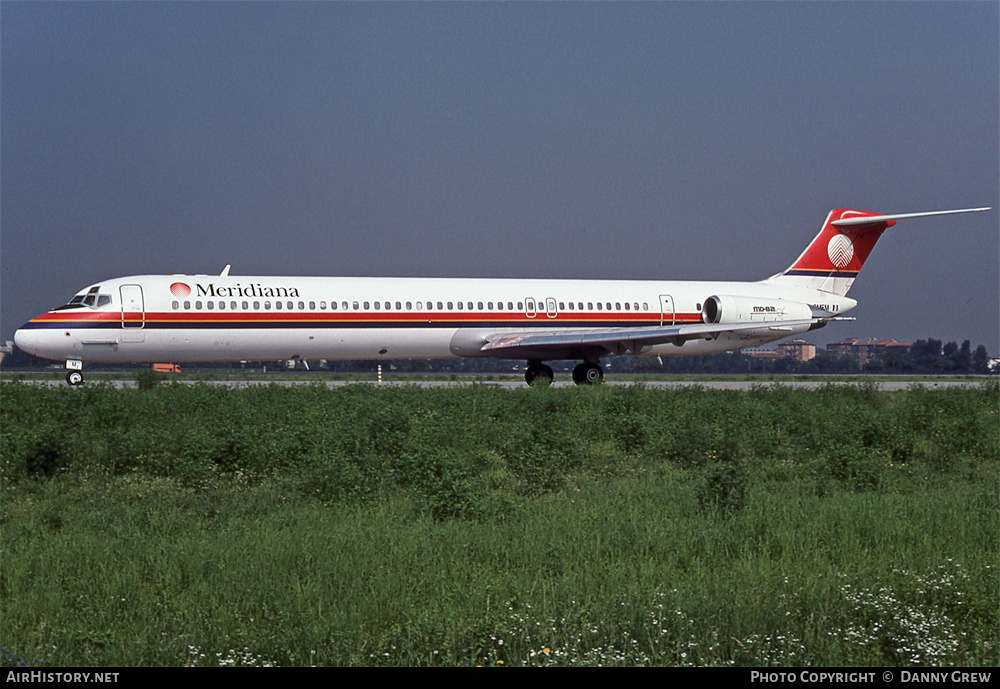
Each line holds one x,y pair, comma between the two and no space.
74,376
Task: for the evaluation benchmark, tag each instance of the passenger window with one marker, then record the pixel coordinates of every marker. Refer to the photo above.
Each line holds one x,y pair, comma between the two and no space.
409,306
459,306
222,305
256,306
440,306
187,305
618,306
376,306
175,305
197,305
388,306
399,306
277,305
367,306
598,306
420,306
626,306
267,305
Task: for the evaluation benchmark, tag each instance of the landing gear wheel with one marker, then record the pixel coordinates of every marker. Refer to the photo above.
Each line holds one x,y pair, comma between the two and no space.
538,374
74,378
587,374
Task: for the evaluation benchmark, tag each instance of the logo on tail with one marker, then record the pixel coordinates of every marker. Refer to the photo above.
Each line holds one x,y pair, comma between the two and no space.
840,250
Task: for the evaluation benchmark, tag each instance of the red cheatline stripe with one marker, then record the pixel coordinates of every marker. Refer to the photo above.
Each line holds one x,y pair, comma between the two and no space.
501,319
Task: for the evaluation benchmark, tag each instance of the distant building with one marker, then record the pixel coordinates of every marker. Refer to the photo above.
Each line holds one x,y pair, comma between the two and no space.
760,353
864,350
800,350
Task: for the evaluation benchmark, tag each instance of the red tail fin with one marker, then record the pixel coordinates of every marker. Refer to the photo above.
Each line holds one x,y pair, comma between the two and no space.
833,259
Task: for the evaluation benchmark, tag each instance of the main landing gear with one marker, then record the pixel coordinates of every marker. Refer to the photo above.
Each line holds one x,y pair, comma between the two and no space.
587,373
538,374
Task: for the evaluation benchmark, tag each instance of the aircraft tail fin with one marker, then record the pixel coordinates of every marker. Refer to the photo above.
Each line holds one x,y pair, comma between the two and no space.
833,259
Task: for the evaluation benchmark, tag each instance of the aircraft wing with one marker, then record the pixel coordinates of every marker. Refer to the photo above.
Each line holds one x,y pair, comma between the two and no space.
621,341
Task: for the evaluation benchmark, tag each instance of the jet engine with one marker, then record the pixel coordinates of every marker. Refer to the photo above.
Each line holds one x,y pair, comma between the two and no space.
728,309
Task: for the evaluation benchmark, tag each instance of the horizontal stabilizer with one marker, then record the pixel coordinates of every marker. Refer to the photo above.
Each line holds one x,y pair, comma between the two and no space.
871,219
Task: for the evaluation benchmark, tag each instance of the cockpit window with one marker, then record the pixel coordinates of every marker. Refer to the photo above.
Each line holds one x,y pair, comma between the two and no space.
91,298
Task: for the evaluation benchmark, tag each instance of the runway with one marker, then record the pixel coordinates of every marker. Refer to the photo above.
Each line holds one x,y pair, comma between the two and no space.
740,385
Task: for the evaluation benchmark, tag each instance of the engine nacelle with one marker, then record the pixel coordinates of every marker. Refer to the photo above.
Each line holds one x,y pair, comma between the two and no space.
728,309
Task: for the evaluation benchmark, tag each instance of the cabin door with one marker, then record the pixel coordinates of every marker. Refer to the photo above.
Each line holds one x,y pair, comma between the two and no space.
666,309
133,313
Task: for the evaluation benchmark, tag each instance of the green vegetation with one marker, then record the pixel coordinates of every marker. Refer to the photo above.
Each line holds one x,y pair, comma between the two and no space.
180,525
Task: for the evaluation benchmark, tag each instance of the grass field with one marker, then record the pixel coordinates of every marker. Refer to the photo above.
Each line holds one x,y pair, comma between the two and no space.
184,525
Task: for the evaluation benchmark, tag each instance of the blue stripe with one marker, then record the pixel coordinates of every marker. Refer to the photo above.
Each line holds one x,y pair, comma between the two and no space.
824,273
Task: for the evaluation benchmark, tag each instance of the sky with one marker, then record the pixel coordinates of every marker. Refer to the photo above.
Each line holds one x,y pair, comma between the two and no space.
654,140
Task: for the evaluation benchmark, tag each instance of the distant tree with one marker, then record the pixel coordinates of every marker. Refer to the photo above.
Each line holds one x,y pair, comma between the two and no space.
833,364
963,358
980,360
927,355
897,360
874,366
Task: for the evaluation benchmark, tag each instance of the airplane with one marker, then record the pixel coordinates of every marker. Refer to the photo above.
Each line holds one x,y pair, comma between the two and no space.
202,318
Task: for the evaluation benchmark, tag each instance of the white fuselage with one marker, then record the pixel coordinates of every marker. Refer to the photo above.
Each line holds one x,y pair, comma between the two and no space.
183,318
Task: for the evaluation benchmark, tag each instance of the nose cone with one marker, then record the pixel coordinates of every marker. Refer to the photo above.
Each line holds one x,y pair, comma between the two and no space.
25,340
